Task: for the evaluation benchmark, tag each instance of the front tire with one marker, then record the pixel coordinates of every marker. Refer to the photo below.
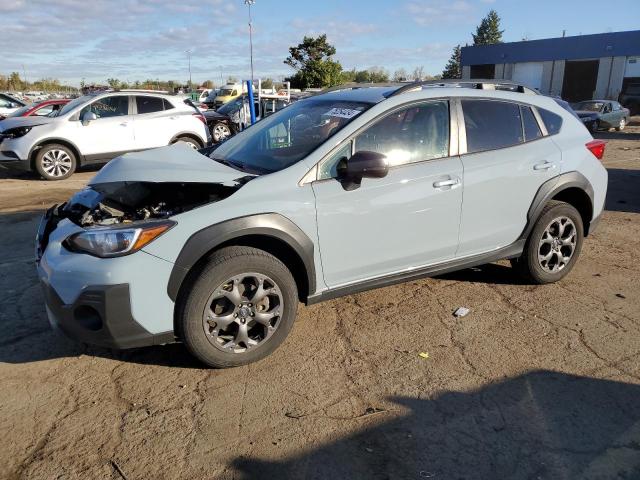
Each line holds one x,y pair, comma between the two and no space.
55,162
553,246
239,308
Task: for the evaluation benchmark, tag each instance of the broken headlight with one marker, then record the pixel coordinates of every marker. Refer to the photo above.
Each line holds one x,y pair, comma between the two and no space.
116,242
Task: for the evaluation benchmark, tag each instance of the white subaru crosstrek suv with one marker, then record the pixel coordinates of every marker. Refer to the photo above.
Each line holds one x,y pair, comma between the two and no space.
98,127
335,194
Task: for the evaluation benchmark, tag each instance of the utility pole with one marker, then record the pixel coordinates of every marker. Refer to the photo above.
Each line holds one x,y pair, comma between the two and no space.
248,3
189,57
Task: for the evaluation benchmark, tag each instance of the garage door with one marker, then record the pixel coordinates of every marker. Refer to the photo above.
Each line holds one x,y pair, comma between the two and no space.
632,68
529,73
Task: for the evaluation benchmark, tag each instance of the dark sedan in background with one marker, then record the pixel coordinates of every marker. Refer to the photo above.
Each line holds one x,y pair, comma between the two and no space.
602,114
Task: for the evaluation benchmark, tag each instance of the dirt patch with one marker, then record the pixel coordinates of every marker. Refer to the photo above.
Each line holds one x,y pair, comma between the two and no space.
535,382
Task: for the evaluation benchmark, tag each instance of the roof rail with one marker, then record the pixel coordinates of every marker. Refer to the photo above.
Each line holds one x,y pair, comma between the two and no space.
140,90
355,86
480,84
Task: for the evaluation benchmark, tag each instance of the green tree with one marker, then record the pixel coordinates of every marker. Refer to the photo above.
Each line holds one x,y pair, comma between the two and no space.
453,69
488,32
362,76
267,83
378,75
207,84
313,62
113,83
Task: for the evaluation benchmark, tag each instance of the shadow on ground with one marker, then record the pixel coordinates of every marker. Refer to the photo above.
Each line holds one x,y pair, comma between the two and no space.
623,194
541,425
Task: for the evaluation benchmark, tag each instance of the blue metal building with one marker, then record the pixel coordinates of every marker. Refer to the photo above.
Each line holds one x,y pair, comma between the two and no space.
576,68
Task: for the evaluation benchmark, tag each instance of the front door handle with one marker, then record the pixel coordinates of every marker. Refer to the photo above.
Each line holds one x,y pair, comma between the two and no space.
544,166
452,182
124,124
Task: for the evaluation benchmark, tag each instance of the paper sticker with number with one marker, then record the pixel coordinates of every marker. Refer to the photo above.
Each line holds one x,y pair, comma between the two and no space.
343,112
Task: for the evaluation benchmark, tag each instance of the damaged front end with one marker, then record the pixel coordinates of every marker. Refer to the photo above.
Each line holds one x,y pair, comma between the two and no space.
126,202
119,218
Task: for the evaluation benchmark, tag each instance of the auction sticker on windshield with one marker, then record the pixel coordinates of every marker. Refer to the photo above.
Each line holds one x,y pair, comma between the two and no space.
343,112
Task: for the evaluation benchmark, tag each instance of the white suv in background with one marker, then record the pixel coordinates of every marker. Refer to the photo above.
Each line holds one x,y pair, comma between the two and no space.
98,127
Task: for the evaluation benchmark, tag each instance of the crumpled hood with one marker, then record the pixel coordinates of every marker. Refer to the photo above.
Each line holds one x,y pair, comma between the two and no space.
175,163
14,122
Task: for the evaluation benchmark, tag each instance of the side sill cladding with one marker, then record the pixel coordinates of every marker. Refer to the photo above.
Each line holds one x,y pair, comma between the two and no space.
268,225
551,188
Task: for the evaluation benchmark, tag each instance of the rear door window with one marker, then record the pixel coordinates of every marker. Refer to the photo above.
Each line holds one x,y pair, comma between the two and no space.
149,104
491,125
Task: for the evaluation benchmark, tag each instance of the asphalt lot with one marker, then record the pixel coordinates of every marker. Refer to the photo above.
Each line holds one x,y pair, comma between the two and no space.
536,382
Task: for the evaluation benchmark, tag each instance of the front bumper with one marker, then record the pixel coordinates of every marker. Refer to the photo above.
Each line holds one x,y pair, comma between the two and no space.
101,315
114,302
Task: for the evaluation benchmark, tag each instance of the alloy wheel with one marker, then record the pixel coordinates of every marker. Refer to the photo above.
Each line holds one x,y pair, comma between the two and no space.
243,312
557,245
56,163
221,132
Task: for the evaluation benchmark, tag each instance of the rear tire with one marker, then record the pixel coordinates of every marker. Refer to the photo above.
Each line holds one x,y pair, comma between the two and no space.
189,141
553,246
225,318
55,162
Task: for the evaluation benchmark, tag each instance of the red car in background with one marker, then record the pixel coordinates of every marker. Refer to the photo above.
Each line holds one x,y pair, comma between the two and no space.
44,108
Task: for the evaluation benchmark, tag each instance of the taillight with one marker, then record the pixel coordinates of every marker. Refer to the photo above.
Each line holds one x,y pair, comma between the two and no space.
200,117
597,148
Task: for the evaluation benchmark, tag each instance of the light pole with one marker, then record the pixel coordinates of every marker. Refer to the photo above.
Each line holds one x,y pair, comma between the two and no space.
249,3
189,57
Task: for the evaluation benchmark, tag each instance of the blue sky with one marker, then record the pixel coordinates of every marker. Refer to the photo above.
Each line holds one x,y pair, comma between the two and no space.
97,39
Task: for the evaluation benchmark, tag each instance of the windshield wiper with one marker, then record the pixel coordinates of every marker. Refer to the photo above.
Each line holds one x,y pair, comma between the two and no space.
228,163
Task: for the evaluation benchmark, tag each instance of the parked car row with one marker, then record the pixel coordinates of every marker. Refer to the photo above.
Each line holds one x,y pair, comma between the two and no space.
97,127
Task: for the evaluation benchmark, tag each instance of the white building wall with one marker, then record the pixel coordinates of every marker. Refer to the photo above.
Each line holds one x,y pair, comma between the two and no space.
528,73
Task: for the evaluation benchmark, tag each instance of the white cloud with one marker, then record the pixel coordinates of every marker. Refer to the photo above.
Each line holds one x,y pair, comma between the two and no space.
437,12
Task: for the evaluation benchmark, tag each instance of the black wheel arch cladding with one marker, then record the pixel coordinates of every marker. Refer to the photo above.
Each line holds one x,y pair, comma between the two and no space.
267,226
553,189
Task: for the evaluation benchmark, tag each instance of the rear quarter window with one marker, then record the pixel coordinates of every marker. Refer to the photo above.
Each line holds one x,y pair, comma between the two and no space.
552,121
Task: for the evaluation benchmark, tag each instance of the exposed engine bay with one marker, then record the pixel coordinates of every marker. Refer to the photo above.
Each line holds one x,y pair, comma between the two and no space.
126,202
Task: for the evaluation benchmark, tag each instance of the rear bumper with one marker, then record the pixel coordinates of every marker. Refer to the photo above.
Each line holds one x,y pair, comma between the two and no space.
101,315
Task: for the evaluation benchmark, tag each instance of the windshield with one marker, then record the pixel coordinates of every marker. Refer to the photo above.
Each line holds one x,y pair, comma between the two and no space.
225,92
74,103
590,106
284,138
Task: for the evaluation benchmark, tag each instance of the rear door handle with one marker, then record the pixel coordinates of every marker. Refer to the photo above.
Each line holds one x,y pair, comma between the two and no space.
544,166
452,182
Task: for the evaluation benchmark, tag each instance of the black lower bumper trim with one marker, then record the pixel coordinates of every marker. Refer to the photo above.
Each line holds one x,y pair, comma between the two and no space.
101,315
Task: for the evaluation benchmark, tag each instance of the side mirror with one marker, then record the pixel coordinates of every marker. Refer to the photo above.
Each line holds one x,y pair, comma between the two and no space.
88,117
363,164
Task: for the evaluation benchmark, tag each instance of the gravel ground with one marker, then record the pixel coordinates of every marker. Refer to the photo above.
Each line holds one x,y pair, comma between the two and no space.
536,382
